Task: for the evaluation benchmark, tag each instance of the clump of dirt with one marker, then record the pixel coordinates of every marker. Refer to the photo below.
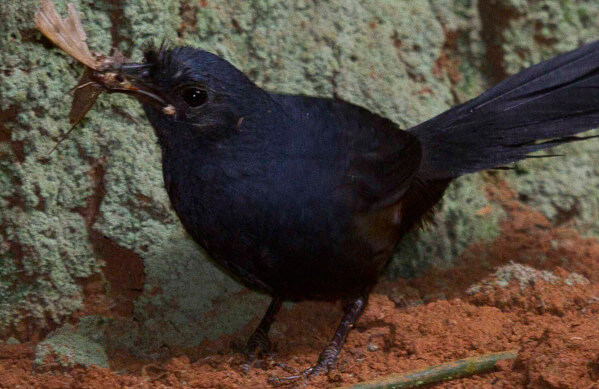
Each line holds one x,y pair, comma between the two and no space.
534,289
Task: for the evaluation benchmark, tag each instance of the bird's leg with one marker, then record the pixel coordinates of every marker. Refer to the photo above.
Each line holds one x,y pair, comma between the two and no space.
328,356
258,342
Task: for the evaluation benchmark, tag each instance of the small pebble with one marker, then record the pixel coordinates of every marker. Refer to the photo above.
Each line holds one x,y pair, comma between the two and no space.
12,341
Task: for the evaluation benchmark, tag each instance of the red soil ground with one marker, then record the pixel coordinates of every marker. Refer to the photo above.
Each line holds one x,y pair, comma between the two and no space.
553,325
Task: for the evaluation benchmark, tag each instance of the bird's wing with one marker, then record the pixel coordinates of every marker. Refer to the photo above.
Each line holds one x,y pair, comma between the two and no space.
381,159
369,159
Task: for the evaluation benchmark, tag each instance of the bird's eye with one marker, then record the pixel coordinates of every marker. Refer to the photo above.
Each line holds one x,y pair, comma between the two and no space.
194,97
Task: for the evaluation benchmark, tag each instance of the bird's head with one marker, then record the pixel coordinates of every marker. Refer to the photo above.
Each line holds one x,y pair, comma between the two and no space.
188,93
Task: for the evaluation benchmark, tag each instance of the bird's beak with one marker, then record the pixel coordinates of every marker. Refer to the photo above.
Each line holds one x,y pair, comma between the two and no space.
131,78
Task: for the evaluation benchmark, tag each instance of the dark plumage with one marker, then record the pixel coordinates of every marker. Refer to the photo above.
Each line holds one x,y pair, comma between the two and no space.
306,198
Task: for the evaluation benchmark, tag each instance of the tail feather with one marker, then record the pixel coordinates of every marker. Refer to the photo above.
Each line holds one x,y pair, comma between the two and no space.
540,107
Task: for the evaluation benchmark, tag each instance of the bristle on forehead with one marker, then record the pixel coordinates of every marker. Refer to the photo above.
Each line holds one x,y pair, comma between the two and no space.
166,61
157,56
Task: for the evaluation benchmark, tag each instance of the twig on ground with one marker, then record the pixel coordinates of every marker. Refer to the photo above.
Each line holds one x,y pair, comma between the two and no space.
433,374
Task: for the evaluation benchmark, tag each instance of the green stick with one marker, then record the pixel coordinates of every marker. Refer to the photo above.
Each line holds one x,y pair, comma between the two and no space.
445,371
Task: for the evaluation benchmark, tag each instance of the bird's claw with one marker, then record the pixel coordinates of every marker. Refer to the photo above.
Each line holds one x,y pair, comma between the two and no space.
324,365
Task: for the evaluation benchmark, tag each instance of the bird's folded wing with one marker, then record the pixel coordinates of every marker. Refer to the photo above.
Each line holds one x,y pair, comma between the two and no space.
381,160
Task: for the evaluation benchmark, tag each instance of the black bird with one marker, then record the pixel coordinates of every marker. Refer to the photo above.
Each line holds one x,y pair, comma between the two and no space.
306,198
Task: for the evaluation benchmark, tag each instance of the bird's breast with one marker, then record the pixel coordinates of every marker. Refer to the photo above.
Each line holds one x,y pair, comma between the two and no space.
272,225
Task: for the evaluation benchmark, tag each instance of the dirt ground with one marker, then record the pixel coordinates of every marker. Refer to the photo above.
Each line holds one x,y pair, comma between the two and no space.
553,322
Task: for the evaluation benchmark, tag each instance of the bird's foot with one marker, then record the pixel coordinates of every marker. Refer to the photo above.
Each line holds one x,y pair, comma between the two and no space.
257,348
326,363
328,357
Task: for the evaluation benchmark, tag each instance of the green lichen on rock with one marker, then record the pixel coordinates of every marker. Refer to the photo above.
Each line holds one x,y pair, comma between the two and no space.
527,32
67,348
44,239
525,277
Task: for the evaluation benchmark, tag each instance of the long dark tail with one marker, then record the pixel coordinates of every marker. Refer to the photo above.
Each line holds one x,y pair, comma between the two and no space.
540,107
